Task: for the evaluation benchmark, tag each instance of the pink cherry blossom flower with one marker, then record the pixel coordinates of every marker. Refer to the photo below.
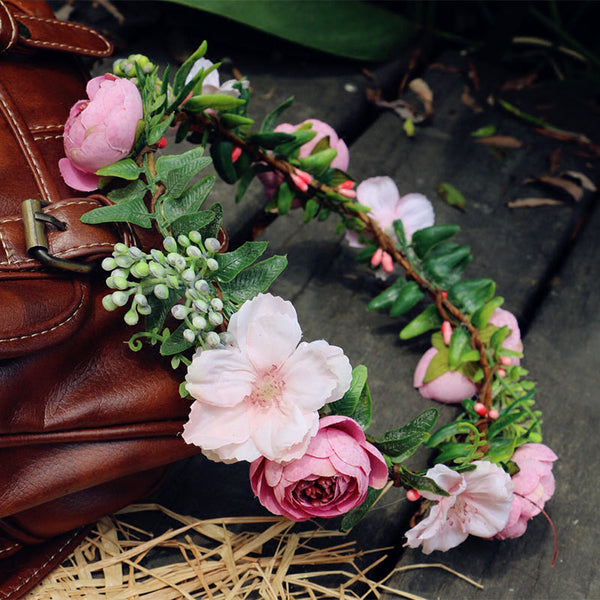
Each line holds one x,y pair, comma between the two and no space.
381,195
452,387
272,180
533,487
211,84
260,396
478,504
331,478
100,131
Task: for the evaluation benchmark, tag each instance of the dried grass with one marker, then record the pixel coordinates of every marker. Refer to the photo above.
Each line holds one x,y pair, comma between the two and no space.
269,558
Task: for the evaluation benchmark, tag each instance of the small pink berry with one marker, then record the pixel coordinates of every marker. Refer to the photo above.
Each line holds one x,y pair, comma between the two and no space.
162,142
299,183
387,262
236,153
412,495
444,294
446,332
346,185
505,360
479,408
376,258
348,193
306,177
501,373
493,414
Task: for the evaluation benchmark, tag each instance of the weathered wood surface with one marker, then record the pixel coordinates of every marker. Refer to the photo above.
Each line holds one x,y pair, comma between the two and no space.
521,249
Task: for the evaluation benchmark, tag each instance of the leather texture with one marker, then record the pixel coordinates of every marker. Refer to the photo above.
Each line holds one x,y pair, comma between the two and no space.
86,425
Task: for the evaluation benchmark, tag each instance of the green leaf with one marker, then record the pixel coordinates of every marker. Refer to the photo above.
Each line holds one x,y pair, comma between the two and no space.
137,189
213,228
426,321
313,22
284,197
387,297
318,163
193,222
446,267
189,202
159,130
400,234
131,211
232,120
484,131
311,208
175,343
421,483
182,131
471,294
301,137
459,342
482,316
451,195
125,169
453,451
401,443
423,240
254,279
175,171
186,67
270,121
502,422
364,408
270,139
498,337
231,263
357,514
244,183
347,404
447,431
214,101
409,296
440,363
501,450
220,152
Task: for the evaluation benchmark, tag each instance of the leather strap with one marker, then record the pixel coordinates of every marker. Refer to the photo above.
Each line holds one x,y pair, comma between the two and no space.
78,241
33,31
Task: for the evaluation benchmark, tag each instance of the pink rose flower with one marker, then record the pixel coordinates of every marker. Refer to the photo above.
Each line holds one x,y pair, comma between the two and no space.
331,478
479,504
381,195
100,131
261,395
452,387
272,180
533,487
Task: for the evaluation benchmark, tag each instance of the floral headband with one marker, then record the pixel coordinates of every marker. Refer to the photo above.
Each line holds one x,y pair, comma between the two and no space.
295,410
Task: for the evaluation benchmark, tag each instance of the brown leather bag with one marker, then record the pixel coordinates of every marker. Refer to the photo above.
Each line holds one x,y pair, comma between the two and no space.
86,425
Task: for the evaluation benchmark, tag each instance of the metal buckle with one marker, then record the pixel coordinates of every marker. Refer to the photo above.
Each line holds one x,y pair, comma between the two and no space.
34,223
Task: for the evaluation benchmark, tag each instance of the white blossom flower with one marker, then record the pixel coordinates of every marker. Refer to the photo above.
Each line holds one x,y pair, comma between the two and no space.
212,82
260,395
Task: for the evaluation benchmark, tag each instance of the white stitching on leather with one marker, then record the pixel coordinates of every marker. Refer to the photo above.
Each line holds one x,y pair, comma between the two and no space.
26,581
38,333
55,23
9,548
45,127
27,147
14,30
47,137
5,248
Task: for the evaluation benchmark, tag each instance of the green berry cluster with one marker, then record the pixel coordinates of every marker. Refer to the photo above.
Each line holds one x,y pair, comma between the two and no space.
179,276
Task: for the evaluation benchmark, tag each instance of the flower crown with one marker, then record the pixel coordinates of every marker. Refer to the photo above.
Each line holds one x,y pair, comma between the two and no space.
297,411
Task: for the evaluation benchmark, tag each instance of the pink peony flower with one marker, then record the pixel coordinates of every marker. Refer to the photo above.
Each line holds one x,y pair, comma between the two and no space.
535,482
452,387
260,396
382,196
272,180
479,504
211,84
330,479
100,131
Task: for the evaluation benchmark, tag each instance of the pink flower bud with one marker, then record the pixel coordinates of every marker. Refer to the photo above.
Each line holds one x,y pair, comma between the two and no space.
236,153
162,142
387,262
501,373
348,193
444,294
505,360
493,414
346,185
446,332
479,408
377,257
299,183
100,131
306,177
412,495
